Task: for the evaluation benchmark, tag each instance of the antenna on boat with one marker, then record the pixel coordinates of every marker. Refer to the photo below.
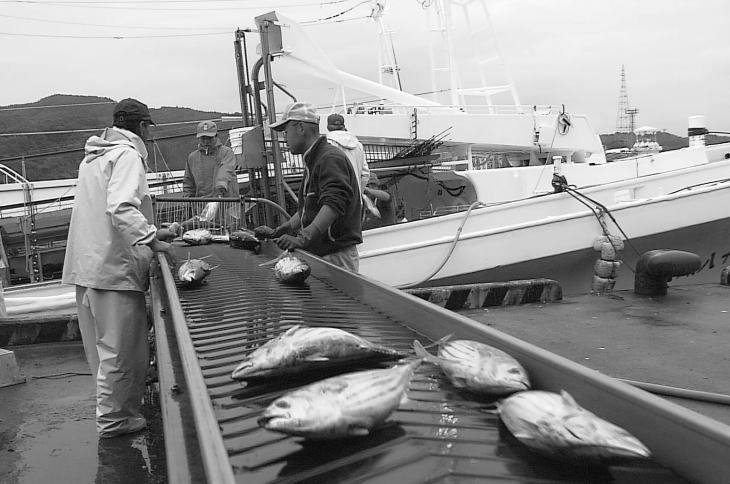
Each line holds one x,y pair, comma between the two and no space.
386,53
455,62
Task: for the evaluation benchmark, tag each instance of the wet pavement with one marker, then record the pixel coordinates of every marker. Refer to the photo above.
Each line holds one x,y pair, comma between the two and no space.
47,428
680,340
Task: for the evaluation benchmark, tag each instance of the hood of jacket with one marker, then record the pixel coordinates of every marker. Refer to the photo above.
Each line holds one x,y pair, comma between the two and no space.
113,139
343,139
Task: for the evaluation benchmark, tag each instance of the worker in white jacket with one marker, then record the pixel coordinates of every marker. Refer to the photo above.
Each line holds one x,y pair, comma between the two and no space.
348,142
111,240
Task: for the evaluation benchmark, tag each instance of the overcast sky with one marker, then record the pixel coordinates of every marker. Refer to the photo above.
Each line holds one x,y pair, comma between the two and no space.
676,53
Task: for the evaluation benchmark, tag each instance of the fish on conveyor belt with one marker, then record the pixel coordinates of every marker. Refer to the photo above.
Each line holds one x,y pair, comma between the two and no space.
197,237
477,367
300,349
291,270
555,426
245,239
348,405
192,272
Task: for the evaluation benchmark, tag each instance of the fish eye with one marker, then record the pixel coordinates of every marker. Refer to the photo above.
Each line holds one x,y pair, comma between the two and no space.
282,404
514,370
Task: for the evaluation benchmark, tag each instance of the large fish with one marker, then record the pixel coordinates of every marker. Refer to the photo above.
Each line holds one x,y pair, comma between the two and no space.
554,425
347,405
192,272
301,349
291,270
198,237
477,367
245,239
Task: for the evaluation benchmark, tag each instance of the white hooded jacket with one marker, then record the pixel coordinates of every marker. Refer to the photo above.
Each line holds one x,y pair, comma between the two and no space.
112,216
348,143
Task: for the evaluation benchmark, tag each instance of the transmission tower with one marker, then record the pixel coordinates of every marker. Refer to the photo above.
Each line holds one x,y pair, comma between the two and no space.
626,116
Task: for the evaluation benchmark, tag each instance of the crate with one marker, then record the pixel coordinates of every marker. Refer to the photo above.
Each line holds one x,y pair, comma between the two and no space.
219,215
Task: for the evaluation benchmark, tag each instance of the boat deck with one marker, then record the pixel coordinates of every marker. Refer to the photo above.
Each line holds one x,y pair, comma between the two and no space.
678,340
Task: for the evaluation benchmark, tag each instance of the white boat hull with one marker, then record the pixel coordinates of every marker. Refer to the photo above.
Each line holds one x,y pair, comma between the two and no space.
550,237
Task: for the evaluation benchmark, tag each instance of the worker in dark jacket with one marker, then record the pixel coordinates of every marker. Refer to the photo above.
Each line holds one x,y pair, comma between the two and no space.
328,218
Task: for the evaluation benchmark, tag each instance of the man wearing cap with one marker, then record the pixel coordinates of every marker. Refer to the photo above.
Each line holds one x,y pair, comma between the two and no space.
211,168
327,222
349,144
110,244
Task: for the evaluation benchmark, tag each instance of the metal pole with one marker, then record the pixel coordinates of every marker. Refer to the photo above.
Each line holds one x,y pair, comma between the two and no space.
271,107
242,86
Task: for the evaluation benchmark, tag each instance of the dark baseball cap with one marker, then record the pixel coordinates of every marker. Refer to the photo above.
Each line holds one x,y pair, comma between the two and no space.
133,109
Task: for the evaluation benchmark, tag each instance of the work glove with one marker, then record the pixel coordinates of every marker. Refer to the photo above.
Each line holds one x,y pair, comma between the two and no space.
289,242
301,241
220,192
159,246
165,235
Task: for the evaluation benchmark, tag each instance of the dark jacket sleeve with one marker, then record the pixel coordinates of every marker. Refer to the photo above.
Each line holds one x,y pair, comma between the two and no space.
336,190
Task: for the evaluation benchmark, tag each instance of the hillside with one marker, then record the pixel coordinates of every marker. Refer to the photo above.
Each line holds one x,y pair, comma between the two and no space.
49,155
56,155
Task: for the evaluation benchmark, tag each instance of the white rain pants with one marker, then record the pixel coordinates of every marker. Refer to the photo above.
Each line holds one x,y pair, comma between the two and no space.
113,327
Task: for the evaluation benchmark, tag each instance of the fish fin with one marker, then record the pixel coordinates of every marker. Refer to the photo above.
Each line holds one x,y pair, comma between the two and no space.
316,358
357,431
420,350
568,400
275,260
404,400
440,341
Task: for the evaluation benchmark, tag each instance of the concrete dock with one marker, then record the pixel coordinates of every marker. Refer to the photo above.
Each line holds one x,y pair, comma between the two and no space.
679,341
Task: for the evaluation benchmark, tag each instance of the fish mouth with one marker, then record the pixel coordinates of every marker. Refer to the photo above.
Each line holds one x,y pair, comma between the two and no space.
269,421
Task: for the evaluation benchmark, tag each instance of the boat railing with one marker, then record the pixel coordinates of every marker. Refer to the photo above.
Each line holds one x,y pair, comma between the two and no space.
220,216
381,109
8,175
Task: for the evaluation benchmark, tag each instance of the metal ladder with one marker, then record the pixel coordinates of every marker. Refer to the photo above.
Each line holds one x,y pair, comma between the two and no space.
451,62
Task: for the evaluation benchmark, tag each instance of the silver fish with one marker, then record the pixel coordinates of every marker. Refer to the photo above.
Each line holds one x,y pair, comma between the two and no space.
197,237
193,271
302,348
347,405
477,367
554,425
292,270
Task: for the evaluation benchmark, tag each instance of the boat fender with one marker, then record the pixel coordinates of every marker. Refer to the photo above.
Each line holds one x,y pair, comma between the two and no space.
602,285
606,268
655,268
725,276
608,245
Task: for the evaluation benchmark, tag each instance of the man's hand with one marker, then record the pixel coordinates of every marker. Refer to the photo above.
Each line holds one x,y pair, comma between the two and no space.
220,192
159,246
289,242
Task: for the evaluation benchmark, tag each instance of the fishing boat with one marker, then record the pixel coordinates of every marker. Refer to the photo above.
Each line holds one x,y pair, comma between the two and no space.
544,213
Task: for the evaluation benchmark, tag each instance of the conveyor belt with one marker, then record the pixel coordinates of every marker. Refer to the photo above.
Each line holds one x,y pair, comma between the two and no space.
440,435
